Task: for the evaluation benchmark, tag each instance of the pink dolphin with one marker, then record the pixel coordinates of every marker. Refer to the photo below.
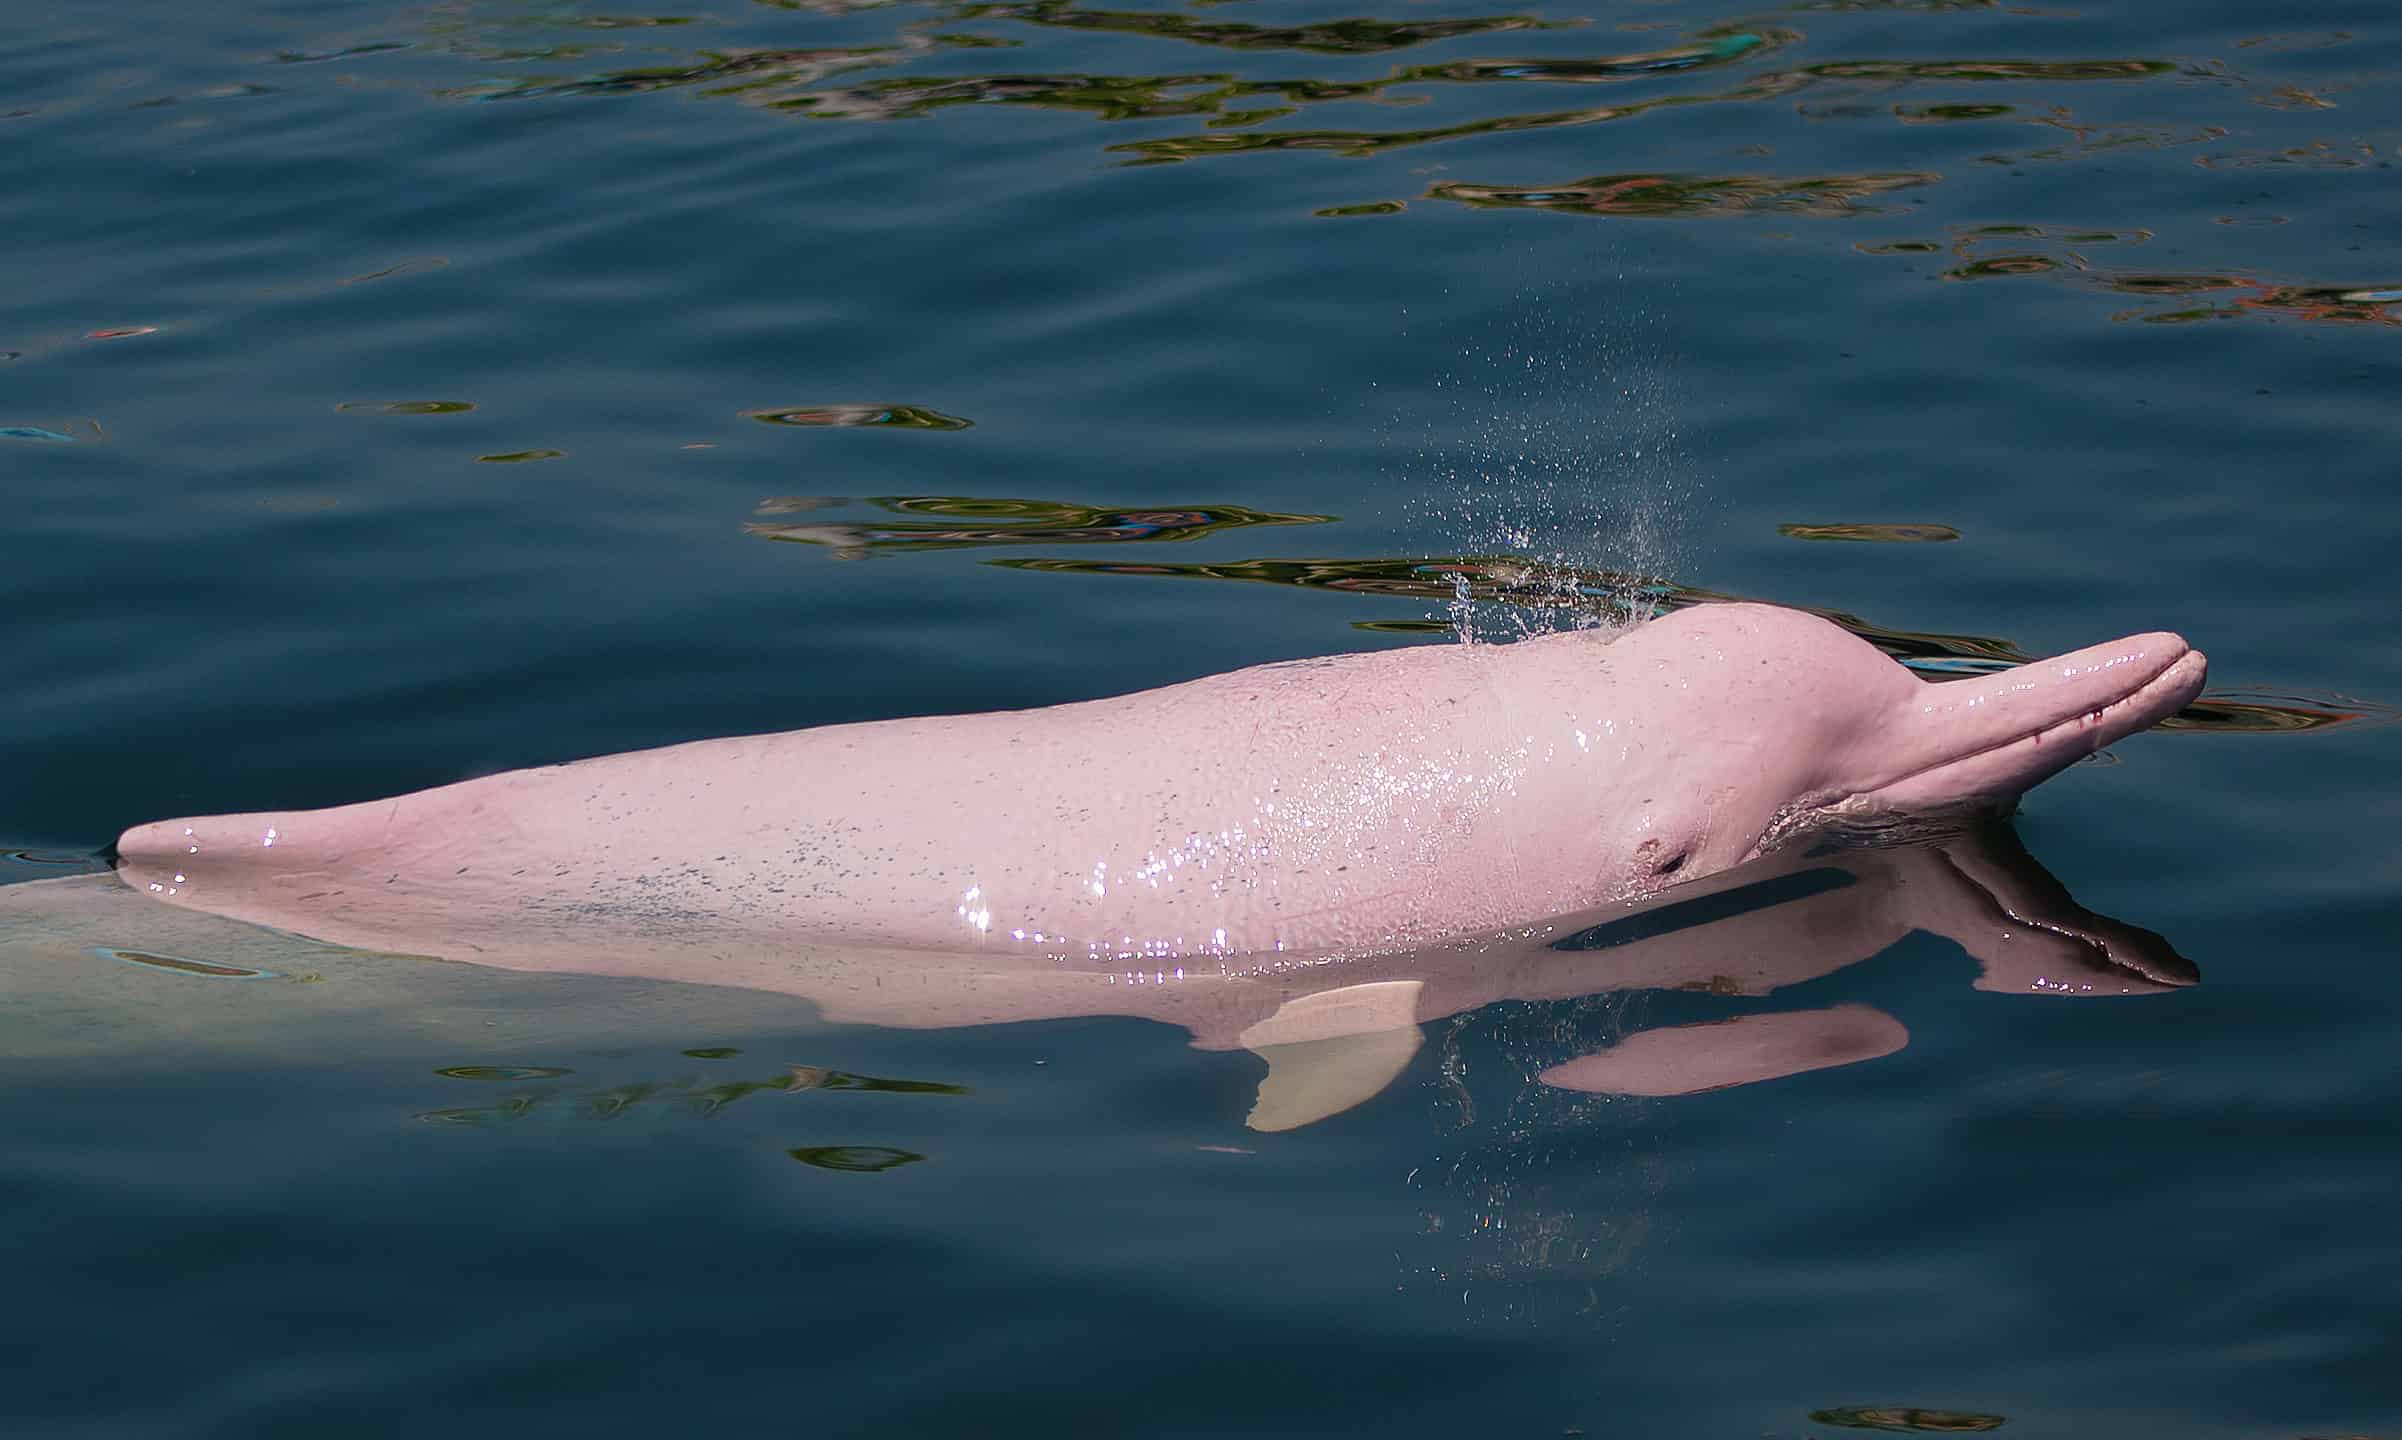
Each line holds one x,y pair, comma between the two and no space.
1354,804
1333,1035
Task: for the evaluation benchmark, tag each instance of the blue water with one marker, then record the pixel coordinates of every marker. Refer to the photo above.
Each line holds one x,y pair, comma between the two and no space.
399,394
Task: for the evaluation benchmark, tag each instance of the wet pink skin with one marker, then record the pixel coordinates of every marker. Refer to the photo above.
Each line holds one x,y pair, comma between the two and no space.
1358,803
1788,918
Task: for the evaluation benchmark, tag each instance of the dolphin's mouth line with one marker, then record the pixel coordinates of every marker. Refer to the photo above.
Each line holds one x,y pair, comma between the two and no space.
2167,677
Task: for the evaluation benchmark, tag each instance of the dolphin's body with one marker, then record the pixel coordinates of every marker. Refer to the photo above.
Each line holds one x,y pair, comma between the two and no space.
1357,804
95,969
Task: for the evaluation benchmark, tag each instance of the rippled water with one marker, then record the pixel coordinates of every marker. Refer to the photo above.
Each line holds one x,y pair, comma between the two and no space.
390,395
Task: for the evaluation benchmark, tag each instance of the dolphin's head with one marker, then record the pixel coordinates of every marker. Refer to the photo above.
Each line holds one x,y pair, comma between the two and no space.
1790,724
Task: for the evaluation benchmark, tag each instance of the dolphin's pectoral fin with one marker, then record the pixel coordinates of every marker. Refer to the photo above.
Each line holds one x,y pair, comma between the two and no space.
1312,1079
1720,1054
1330,1051
1328,1014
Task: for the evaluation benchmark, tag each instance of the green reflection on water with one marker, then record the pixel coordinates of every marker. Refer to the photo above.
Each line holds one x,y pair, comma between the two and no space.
1222,97
73,864
2328,304
2170,284
1361,143
2175,317
1762,86
897,417
502,1072
1236,119
518,457
1886,534
707,1100
2254,713
2061,255
1373,207
2257,297
855,1159
618,1099
817,1077
811,81
1937,7
723,75
1332,37
2000,265
346,52
406,407
1909,1418
179,965
1105,97
963,40
1009,522
1710,48
479,1117
1935,114
1991,69
1655,195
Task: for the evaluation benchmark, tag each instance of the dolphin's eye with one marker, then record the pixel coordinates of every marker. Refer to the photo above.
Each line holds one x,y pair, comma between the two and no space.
1670,865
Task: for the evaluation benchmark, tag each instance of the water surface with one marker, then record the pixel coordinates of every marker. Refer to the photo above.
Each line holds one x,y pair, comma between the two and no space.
395,394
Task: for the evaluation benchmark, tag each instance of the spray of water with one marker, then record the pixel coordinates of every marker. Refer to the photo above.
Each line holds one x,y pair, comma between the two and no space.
1559,448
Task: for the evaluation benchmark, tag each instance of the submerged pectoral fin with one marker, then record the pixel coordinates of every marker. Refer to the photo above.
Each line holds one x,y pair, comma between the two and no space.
1331,1051
1310,1080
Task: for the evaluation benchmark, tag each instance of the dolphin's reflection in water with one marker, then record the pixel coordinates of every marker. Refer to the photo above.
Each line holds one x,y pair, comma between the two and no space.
1335,1030
1819,911
1774,923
